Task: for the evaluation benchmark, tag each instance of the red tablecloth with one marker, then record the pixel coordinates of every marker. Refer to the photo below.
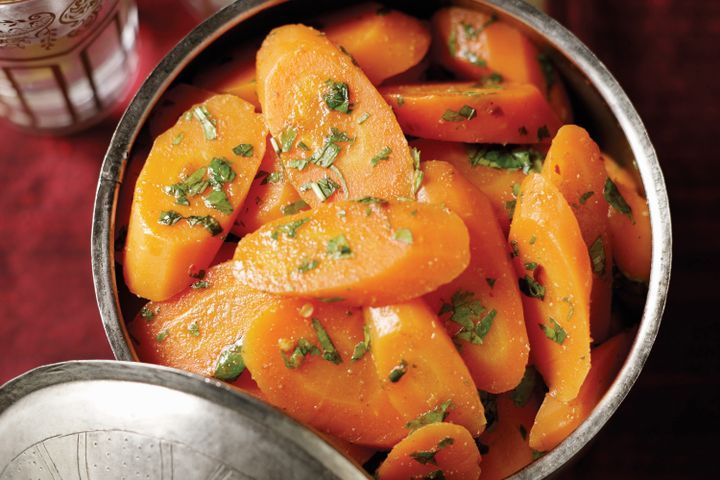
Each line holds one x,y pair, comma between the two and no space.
664,52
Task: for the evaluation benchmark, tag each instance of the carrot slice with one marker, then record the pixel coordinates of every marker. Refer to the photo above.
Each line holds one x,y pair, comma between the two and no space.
201,329
300,354
506,441
420,368
467,112
382,41
337,136
270,197
173,104
438,450
552,259
482,308
478,46
556,420
370,252
629,223
188,194
575,166
357,453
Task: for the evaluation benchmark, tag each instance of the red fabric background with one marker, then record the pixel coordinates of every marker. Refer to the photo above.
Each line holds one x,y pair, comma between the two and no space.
665,54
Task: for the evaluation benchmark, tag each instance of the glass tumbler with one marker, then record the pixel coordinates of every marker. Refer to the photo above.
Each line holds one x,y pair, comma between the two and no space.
65,63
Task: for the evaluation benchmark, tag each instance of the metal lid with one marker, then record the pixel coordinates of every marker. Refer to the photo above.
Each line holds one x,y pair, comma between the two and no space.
99,419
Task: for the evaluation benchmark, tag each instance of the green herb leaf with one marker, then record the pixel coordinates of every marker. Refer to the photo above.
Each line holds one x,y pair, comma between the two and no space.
585,196
383,154
337,96
331,299
362,347
530,266
472,32
178,138
303,146
160,337
147,314
418,174
597,256
616,200
273,177
289,229
522,393
302,349
494,80
557,334
404,235
206,122
398,371
169,217
243,150
294,207
298,164
436,415
532,288
230,363
329,352
287,137
467,312
341,177
505,158
373,201
308,265
200,284
338,247
194,329
220,172
218,200
466,112
322,189
361,119
208,221
532,240
425,457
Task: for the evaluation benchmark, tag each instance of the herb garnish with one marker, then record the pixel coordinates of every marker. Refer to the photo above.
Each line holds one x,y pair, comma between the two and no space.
302,349
489,402
418,174
585,196
616,200
383,154
434,475
287,137
200,284
178,138
329,352
337,96
289,229
294,207
505,158
207,122
466,112
403,235
194,329
322,189
425,457
169,217
338,247
308,265
218,200
243,150
557,333
597,256
147,314
468,312
398,371
361,119
160,337
230,363
362,347
530,287
436,415
220,172
298,164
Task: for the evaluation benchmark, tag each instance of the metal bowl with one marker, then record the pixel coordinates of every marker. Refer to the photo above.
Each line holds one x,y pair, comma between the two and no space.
602,106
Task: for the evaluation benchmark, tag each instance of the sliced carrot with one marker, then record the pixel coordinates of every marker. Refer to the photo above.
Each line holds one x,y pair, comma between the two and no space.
199,329
178,219
438,450
233,72
368,252
629,224
382,41
270,197
357,453
575,166
337,136
482,308
478,46
173,104
506,441
125,198
300,354
420,368
556,280
467,112
556,420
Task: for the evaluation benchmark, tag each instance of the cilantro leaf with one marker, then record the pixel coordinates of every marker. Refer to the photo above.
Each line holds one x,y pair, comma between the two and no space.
362,347
207,221
294,207
289,229
404,235
287,138
329,352
383,154
243,150
322,189
308,265
557,333
597,256
218,200
436,415
338,247
505,158
207,122
616,200
230,363
337,96
466,112
531,288
398,371
302,349
169,217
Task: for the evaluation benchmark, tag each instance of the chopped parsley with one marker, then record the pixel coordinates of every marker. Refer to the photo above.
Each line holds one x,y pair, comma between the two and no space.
194,329
425,457
207,122
418,174
289,229
244,150
472,32
532,240
294,207
505,158
436,415
308,265
531,288
160,337
147,314
597,256
303,348
192,185
218,200
372,201
537,454
523,391
361,119
383,154
230,363
616,200
543,133
306,310
200,284
398,371
329,352
338,247
208,222
466,112
303,145
322,189
273,177
220,172
403,235
471,315
585,197
362,347
178,138
530,266
337,96
298,164
556,333
169,217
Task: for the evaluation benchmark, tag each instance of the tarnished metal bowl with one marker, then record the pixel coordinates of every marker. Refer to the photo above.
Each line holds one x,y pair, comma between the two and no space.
602,105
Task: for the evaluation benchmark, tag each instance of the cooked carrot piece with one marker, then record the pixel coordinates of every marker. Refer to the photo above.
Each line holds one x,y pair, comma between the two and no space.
125,198
270,197
357,453
233,73
301,355
438,450
466,112
201,329
188,194
556,419
575,166
173,104
506,441
382,41
556,278
495,170
369,252
478,46
629,223
481,308
420,368
337,136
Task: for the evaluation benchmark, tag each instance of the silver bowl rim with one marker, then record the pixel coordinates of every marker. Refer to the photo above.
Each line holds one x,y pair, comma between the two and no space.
557,37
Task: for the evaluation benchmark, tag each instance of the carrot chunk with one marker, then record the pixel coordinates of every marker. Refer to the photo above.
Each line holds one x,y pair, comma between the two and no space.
176,101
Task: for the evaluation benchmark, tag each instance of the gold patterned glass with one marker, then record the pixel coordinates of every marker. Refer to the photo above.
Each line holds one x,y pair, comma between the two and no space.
65,63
